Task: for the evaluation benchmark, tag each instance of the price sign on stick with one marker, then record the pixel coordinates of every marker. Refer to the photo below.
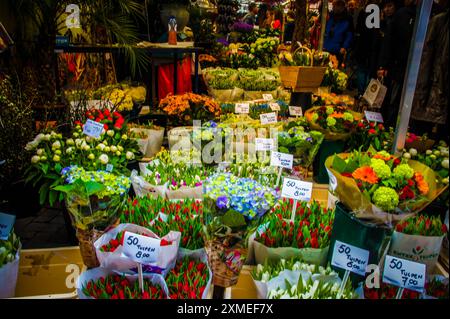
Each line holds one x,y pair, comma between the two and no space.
242,108
92,128
274,106
264,144
267,97
295,111
6,224
297,190
351,259
373,116
404,274
281,160
268,118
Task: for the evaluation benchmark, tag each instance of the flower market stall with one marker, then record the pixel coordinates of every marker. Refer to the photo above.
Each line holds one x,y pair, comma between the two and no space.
233,191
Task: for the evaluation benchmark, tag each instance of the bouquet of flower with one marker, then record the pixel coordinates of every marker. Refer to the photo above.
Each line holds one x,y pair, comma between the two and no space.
437,287
221,78
155,137
190,278
300,142
94,200
335,122
262,80
419,238
9,265
253,166
122,96
100,284
189,106
336,79
324,99
232,206
165,216
369,134
387,291
307,236
53,152
377,185
265,50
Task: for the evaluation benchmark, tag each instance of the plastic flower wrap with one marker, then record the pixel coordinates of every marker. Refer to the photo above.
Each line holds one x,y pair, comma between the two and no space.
93,198
298,140
336,122
381,187
9,249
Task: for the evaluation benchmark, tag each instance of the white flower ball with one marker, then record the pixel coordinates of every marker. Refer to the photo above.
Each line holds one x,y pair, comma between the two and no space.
113,148
407,155
46,137
104,159
35,159
437,153
413,151
70,141
129,155
56,145
120,148
429,152
40,151
69,150
444,163
86,147
110,133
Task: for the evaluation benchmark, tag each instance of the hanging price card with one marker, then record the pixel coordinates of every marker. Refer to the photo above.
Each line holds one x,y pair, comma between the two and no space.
281,160
267,97
404,273
6,224
274,106
264,144
295,111
296,189
141,249
350,258
268,118
374,116
92,128
242,108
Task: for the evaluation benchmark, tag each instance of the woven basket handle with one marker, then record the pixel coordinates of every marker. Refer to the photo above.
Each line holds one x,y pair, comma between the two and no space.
304,48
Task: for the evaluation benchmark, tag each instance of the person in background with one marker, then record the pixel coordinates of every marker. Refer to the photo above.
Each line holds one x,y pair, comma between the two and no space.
250,17
262,14
338,31
431,99
393,58
353,10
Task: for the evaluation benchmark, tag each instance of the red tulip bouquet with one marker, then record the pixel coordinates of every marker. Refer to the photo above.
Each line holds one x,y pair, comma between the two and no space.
191,277
109,249
99,283
306,237
419,238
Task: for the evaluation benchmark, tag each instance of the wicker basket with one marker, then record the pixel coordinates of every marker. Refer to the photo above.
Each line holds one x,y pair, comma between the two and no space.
302,78
223,276
86,240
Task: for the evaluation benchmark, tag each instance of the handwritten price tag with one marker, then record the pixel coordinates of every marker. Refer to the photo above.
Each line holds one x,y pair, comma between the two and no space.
296,189
109,168
350,258
6,224
374,116
242,108
141,249
267,97
274,106
92,128
268,118
264,144
404,273
295,111
281,160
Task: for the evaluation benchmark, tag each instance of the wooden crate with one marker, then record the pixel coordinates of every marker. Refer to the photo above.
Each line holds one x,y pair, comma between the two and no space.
302,78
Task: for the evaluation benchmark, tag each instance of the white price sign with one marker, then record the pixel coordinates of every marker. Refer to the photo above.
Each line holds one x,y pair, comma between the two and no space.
109,168
404,273
6,224
350,258
296,189
264,144
274,106
93,129
268,118
242,108
267,97
281,160
373,116
141,249
295,111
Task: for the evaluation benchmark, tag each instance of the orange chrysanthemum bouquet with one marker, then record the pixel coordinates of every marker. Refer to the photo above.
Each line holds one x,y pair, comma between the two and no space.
381,187
190,106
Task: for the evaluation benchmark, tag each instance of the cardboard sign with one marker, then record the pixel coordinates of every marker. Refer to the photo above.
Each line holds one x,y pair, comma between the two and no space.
296,189
268,118
295,111
141,249
350,258
242,108
264,144
404,273
281,160
6,224
373,116
92,128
